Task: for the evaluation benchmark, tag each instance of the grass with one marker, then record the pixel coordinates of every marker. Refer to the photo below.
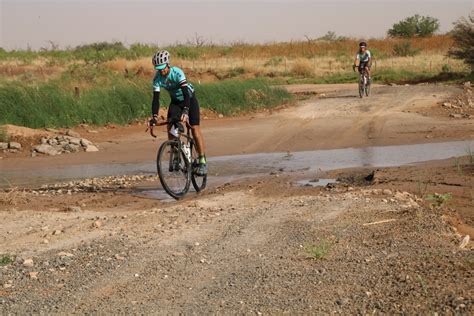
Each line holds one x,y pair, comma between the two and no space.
458,165
4,138
317,251
422,188
101,52
122,101
470,155
7,259
438,200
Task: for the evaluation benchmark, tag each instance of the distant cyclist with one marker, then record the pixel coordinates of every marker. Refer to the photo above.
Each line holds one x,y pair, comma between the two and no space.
184,104
364,57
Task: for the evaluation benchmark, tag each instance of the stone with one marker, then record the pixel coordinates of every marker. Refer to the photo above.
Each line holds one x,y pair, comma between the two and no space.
342,301
28,263
52,130
464,242
221,116
387,192
455,115
52,141
85,142
3,146
33,275
73,134
73,209
44,140
70,148
75,141
14,145
467,84
46,149
91,148
65,254
447,105
97,224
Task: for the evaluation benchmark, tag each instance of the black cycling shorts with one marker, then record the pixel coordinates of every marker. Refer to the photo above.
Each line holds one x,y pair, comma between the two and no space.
176,109
363,64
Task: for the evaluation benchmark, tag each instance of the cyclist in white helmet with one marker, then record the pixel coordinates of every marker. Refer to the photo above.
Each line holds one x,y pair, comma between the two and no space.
184,104
364,57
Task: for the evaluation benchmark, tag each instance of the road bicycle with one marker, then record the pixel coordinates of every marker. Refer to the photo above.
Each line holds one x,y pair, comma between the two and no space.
364,83
177,161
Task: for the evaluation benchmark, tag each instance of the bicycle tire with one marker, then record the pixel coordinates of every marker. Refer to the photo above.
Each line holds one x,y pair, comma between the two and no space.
361,88
199,182
367,89
162,166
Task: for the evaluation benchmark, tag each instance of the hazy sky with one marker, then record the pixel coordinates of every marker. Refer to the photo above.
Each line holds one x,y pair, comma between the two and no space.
72,22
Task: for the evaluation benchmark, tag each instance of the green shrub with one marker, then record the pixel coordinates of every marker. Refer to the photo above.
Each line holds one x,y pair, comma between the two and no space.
416,25
185,52
404,49
446,68
463,34
4,138
6,259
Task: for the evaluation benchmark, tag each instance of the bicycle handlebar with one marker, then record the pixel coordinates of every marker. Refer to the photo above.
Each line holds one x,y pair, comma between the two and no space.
165,122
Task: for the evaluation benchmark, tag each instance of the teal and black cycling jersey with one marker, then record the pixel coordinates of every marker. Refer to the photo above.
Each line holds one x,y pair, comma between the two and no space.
363,58
172,83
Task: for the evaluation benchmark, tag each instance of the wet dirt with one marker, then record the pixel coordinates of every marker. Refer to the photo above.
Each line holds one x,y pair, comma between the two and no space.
227,167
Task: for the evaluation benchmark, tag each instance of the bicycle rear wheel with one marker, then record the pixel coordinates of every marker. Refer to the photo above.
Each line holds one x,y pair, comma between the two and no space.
199,182
173,169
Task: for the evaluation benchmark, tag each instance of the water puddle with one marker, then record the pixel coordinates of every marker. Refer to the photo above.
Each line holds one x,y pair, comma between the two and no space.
316,182
154,194
227,168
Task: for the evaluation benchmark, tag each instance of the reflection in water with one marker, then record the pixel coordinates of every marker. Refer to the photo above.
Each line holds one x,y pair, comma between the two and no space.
230,167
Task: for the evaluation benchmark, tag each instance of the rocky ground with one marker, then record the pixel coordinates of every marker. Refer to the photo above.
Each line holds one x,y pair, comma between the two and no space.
262,246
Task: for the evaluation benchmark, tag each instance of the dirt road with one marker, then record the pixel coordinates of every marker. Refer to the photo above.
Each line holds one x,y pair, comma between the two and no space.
369,244
333,118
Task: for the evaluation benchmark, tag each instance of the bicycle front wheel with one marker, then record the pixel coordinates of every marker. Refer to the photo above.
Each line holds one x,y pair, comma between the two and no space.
173,169
361,88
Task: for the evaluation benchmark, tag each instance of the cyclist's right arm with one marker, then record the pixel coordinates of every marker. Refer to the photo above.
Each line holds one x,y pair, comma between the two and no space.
155,103
355,61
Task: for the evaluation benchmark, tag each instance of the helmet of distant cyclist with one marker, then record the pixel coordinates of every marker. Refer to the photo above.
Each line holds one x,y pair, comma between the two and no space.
362,44
161,59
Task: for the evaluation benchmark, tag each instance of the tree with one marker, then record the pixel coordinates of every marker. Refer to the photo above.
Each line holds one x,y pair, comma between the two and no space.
332,37
422,26
463,34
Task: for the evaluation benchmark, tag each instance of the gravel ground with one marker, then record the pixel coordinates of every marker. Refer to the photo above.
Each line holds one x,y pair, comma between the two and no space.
243,249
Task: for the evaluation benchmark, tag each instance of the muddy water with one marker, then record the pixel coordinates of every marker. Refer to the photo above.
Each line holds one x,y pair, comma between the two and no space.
227,168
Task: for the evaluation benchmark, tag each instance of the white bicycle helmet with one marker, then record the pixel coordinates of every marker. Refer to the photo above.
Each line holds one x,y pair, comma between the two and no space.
161,59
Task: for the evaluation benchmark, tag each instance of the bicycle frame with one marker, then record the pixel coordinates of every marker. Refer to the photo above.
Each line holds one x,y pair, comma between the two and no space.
363,76
189,138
